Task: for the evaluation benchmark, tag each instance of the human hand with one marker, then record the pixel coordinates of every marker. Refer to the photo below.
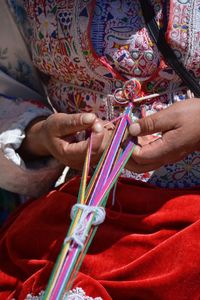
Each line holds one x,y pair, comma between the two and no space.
179,125
56,136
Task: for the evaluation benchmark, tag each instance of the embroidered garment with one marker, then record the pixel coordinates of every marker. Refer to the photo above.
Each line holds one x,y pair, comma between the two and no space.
149,227
91,48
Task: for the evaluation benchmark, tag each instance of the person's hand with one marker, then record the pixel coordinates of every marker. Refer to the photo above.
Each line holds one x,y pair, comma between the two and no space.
179,125
56,136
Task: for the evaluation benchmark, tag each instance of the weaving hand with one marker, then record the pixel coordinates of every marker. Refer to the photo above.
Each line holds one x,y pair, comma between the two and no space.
179,125
56,136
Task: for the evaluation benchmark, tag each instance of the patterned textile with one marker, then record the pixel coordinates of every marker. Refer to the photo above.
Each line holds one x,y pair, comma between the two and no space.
88,49
98,25
183,32
91,48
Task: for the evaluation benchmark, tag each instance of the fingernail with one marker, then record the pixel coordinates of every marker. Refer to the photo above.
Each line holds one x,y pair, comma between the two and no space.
135,129
88,118
97,128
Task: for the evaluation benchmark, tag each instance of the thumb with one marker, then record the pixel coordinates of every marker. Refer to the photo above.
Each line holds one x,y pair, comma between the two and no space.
68,124
161,121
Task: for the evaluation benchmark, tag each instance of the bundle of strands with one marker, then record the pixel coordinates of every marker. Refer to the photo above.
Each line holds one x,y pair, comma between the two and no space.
89,211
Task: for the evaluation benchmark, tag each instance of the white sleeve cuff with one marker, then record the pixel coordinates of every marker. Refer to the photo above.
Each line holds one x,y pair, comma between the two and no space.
12,138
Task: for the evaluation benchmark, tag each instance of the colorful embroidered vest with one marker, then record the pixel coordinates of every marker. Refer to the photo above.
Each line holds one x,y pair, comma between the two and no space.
82,80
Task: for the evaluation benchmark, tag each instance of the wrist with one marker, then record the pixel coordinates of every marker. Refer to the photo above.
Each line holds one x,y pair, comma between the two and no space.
34,142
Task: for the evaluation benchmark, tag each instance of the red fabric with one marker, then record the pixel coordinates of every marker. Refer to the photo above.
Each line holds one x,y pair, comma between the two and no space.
148,247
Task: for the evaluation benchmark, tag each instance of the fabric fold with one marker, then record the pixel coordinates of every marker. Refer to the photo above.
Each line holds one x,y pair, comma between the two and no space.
147,248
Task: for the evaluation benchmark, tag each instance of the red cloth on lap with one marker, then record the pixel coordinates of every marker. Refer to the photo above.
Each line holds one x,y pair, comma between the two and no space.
148,247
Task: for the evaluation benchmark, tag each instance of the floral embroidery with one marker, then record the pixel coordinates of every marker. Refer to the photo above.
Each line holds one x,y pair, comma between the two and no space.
184,32
84,68
185,173
188,167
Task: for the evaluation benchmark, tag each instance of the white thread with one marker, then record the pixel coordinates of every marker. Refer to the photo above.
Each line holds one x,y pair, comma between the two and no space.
99,211
79,234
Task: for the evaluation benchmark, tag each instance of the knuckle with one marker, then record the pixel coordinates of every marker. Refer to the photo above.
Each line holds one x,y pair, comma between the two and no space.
148,124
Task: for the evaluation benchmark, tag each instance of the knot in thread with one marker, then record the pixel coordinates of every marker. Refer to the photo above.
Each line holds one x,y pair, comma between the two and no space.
80,231
99,212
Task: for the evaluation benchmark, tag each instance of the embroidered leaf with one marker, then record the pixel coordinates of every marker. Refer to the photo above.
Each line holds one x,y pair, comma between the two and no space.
54,9
41,36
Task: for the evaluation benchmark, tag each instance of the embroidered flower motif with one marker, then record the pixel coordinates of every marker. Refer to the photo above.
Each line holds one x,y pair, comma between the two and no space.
189,167
95,106
47,25
124,46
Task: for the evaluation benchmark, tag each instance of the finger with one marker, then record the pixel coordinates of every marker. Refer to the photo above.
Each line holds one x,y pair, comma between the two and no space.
139,168
74,153
159,122
67,124
98,144
161,151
